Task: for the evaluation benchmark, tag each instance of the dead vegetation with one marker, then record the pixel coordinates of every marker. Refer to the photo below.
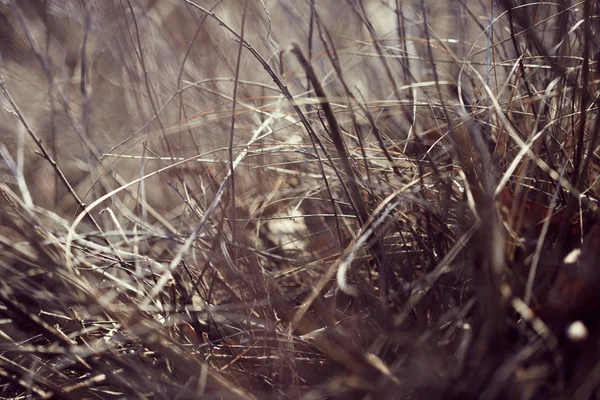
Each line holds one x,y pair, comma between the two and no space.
299,199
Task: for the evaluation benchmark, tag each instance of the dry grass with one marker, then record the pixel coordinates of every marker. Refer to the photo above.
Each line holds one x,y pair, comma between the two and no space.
311,199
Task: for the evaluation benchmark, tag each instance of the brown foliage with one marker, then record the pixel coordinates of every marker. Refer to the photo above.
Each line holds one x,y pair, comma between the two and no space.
301,199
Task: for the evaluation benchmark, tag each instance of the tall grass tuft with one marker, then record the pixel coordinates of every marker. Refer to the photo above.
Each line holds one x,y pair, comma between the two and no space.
299,199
